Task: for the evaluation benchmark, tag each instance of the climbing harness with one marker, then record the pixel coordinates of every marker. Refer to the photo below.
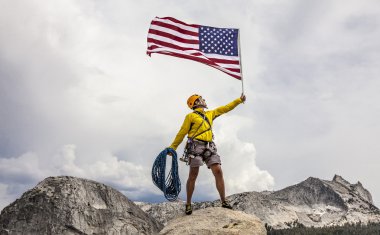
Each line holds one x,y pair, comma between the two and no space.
171,186
190,143
204,117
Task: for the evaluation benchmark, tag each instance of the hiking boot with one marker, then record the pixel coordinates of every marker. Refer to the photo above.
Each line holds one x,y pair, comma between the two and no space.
227,205
188,209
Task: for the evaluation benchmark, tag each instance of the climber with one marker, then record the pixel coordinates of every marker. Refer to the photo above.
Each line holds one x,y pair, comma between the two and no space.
200,147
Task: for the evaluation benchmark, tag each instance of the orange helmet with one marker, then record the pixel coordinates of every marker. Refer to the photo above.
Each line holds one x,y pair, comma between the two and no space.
191,100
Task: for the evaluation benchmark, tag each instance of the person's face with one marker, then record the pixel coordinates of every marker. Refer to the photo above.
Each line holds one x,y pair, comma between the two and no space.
201,102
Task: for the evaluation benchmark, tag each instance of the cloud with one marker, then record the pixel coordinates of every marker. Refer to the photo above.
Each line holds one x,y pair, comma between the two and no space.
5,198
24,169
23,172
241,171
315,98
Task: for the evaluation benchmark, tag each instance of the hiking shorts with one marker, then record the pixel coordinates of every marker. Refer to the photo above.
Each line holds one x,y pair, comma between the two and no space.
203,152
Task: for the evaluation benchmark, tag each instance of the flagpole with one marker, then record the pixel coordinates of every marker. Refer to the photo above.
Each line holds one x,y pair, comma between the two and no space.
241,63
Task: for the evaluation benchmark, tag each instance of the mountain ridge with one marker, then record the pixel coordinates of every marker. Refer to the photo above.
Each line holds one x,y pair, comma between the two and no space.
312,202
70,205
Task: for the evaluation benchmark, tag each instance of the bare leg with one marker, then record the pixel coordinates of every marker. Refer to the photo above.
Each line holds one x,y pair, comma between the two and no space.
219,181
190,185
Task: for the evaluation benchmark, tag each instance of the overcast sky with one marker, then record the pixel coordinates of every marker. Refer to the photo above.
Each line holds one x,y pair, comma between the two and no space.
79,96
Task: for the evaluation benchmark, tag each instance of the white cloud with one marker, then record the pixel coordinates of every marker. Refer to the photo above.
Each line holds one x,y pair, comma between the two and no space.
25,171
24,168
63,163
315,108
239,157
5,198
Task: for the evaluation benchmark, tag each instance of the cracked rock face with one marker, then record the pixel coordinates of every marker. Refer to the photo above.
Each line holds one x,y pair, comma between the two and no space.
215,220
69,205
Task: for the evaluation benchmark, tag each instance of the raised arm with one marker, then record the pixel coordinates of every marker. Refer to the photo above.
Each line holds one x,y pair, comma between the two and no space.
226,108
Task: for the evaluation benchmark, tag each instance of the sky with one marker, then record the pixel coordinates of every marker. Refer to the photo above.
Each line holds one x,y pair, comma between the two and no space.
80,97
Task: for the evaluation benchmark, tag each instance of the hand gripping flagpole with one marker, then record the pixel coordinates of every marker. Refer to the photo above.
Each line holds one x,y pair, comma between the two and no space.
241,63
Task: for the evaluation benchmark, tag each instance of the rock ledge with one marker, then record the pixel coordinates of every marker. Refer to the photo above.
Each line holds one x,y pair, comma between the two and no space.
215,220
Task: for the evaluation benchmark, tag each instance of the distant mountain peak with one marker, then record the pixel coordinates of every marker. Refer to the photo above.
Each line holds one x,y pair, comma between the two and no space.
357,188
339,179
312,202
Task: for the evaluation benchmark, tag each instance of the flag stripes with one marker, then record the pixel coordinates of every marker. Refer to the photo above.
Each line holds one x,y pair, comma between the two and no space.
172,37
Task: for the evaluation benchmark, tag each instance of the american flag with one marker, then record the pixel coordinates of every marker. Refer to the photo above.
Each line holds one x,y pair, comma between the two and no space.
216,47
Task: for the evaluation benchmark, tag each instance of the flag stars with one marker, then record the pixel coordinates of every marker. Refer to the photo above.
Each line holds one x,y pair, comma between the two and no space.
218,41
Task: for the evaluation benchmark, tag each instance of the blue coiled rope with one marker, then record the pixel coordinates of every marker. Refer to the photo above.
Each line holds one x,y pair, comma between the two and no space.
171,186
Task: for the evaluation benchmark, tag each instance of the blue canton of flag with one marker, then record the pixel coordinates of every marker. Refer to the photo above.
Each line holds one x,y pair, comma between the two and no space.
222,41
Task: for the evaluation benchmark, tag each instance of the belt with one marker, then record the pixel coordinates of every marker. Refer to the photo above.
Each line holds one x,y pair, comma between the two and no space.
202,141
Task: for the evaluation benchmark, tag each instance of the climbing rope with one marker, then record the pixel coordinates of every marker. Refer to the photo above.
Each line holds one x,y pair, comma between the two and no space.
171,186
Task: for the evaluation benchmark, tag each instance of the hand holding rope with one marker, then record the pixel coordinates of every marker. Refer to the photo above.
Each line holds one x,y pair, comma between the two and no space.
171,186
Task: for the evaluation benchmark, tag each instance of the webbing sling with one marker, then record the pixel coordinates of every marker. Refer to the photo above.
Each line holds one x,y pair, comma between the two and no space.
204,117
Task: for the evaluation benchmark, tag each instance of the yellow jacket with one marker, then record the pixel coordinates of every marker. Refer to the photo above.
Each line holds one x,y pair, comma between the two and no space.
193,122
